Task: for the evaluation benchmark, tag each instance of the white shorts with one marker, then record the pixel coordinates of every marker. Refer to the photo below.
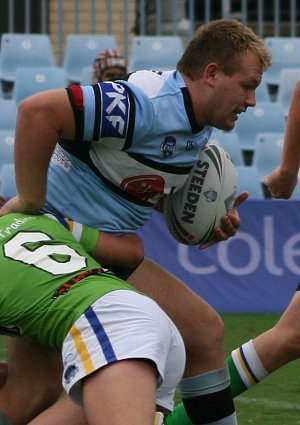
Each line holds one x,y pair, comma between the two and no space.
143,331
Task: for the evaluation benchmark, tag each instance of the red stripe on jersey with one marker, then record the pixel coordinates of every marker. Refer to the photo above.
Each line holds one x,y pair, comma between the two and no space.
77,96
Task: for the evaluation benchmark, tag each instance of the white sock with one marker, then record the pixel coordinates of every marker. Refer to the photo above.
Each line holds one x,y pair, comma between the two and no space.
248,364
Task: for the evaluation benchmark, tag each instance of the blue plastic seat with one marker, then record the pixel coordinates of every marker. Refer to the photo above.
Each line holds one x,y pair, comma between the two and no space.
155,52
7,139
249,181
81,51
264,117
229,141
8,187
262,92
86,76
285,54
31,80
9,109
24,50
287,81
268,152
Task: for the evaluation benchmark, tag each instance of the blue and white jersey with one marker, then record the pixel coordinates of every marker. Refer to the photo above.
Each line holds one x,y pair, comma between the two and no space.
136,141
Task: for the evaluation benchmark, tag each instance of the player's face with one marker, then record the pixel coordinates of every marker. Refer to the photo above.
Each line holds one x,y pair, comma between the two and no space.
232,95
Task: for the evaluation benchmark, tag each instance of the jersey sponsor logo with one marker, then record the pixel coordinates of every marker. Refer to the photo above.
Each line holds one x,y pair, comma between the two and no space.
59,158
115,111
168,146
143,187
17,222
190,145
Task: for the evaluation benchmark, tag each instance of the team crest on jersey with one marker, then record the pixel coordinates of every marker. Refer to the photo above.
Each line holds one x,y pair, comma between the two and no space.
115,110
70,373
168,146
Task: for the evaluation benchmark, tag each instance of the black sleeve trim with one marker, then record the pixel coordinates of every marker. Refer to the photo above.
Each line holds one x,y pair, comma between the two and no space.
98,104
172,169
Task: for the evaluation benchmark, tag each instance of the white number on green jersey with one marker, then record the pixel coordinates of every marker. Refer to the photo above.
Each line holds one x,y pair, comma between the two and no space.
29,248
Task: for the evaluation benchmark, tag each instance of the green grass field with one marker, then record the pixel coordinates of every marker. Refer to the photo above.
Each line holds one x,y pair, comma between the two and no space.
275,401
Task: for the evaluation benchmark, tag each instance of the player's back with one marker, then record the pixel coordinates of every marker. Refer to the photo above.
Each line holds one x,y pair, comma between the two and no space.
38,293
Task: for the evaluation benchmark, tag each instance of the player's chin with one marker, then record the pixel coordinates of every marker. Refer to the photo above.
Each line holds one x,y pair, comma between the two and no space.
229,124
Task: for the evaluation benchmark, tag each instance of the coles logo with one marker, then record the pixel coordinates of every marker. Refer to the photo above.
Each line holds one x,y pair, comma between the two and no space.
143,187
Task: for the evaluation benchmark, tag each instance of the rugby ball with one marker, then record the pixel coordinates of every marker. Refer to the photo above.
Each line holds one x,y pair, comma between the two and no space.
194,210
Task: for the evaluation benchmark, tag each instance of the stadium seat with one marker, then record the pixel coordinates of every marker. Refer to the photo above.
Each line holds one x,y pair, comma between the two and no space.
86,76
7,138
31,80
296,194
287,81
262,92
268,152
249,181
81,51
285,54
229,141
9,109
264,117
155,52
24,50
8,187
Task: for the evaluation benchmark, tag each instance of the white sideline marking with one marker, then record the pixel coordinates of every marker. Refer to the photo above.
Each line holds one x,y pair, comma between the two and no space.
270,403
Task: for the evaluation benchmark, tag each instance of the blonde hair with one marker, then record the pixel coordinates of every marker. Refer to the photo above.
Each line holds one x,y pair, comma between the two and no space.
223,41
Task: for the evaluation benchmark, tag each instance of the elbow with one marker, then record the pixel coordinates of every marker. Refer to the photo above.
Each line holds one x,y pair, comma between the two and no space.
136,255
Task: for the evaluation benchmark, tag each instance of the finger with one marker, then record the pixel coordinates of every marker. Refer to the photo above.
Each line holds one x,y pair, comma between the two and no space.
219,236
242,197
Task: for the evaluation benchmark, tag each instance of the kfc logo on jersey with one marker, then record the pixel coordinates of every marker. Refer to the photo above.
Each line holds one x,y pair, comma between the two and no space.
115,110
143,187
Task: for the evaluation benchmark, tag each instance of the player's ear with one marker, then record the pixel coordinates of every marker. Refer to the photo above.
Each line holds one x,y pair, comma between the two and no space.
210,73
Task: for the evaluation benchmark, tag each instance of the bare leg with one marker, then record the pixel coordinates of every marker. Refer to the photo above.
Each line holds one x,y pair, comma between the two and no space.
33,381
199,324
119,394
123,393
63,412
281,344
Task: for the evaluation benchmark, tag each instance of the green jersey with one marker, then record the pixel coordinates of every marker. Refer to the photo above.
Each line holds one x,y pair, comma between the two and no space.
48,278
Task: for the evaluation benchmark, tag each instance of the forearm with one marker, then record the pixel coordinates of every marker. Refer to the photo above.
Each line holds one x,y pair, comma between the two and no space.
126,250
32,156
291,149
39,126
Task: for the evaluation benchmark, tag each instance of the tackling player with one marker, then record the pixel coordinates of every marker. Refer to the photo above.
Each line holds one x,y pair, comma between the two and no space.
122,356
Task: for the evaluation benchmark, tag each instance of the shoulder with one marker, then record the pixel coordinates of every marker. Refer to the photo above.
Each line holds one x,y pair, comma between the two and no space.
152,83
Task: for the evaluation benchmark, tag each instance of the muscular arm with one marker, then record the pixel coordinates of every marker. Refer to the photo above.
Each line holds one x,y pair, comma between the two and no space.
42,119
282,181
125,250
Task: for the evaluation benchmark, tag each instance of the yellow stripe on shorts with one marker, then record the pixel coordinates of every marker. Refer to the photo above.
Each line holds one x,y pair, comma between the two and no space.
82,350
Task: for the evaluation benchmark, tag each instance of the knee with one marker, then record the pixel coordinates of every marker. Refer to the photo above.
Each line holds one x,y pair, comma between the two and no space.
207,336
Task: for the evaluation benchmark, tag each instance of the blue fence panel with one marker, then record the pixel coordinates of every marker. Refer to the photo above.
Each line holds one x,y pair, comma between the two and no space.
257,271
